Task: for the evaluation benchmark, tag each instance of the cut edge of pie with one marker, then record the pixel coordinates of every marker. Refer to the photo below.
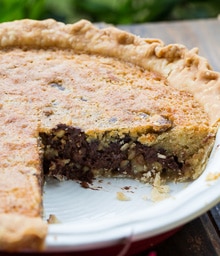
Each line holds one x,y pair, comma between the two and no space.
173,65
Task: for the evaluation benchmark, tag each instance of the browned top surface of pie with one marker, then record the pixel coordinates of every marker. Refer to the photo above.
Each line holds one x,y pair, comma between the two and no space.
97,80
93,79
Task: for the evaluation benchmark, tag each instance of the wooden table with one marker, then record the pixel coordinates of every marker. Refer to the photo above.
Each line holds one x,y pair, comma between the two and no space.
202,235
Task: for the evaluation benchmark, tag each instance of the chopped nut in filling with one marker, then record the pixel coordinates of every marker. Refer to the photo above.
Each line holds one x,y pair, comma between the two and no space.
68,154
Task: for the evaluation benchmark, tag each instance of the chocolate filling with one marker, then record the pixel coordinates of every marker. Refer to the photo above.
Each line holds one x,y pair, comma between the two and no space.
68,153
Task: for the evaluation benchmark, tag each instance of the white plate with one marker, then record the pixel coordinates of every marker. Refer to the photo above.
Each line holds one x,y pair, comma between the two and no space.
94,218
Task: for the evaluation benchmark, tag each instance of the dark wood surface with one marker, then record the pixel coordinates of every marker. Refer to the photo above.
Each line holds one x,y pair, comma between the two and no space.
202,235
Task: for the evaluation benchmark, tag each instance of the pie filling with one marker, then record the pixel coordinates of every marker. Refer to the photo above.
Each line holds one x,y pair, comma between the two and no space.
68,154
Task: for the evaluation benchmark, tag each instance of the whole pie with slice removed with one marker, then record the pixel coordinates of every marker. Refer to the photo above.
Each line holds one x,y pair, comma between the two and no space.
78,102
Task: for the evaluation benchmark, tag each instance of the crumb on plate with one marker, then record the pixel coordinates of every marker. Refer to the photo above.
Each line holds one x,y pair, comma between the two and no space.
122,197
212,176
53,219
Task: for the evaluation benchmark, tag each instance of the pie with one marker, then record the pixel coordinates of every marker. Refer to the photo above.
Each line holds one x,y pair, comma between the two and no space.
78,102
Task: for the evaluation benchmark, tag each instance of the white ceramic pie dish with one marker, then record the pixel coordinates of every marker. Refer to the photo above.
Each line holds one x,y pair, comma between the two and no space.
94,218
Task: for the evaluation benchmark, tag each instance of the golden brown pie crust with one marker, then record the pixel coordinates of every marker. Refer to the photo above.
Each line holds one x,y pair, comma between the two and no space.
41,60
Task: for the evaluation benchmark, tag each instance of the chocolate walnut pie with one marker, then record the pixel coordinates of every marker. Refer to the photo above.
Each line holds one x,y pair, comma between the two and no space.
78,102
